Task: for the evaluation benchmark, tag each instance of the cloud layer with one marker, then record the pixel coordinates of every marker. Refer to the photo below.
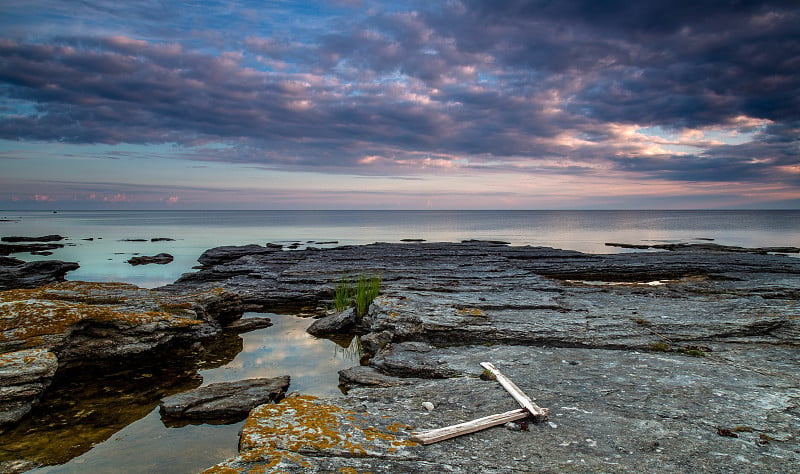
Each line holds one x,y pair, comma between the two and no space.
684,91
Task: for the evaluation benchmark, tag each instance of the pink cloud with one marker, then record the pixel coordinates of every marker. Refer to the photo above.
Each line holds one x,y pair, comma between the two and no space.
119,197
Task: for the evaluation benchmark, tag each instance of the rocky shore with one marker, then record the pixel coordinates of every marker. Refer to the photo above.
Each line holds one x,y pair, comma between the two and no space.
684,359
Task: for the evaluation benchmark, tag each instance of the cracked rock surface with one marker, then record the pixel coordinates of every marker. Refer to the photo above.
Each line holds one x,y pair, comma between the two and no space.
681,361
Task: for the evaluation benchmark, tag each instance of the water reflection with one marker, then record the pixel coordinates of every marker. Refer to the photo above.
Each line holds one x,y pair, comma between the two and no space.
86,406
287,349
93,421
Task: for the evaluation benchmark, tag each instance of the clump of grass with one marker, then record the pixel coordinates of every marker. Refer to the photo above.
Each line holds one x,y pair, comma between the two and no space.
343,297
367,288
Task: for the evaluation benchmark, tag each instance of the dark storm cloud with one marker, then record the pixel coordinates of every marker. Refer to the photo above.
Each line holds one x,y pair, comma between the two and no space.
492,81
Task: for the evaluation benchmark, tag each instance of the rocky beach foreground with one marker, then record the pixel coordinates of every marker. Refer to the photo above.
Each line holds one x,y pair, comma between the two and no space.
682,360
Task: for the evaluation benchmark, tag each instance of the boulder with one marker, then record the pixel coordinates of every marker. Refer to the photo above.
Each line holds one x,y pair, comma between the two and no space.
224,401
336,323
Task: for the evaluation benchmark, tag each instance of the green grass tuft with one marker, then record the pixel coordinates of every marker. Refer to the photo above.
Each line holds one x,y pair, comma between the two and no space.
343,297
367,288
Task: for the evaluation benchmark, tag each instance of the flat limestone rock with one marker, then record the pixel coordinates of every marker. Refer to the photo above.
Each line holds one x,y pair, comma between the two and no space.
90,321
370,377
309,434
648,361
225,400
610,411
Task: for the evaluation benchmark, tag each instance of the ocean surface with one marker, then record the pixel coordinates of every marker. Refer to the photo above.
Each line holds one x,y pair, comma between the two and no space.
72,441
104,258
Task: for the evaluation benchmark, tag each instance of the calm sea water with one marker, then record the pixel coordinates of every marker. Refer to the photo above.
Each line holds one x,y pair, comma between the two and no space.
104,258
286,348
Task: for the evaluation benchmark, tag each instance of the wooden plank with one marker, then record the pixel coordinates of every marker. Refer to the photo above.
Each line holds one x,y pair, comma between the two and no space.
439,434
538,413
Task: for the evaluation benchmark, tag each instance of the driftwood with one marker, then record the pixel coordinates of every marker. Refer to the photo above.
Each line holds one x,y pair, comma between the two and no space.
539,414
529,409
440,434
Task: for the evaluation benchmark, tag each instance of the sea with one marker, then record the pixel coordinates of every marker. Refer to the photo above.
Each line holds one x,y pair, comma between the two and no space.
103,241
74,431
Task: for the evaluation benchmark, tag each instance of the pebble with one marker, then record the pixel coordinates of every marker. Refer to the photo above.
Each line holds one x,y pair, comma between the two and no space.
428,406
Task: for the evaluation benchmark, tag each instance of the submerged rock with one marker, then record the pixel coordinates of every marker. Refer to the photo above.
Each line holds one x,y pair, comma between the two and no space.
224,401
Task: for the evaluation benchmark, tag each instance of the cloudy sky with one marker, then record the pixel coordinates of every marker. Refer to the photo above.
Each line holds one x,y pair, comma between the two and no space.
348,104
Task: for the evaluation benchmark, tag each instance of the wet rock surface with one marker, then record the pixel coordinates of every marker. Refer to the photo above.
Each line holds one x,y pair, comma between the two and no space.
229,401
642,358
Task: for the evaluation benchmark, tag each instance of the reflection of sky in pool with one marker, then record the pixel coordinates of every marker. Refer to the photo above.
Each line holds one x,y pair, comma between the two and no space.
287,349
148,446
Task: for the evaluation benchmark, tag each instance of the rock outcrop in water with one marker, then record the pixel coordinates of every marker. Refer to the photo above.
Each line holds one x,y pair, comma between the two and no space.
15,273
230,401
79,323
160,259
647,361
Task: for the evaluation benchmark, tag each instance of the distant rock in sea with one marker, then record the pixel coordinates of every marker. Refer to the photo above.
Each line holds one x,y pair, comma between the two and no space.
160,259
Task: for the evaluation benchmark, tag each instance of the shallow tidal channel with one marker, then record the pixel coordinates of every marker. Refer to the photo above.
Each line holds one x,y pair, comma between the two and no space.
108,422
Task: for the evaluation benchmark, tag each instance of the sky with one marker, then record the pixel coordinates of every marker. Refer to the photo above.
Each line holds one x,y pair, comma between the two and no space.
371,104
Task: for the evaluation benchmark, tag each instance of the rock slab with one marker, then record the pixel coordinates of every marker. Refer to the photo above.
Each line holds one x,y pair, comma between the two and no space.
224,401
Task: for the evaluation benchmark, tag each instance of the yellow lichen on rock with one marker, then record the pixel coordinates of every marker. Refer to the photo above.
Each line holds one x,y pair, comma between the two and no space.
293,433
28,315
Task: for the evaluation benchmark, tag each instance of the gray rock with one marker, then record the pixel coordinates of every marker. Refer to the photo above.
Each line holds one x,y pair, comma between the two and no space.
370,377
411,359
641,357
15,273
221,255
226,400
337,323
248,324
